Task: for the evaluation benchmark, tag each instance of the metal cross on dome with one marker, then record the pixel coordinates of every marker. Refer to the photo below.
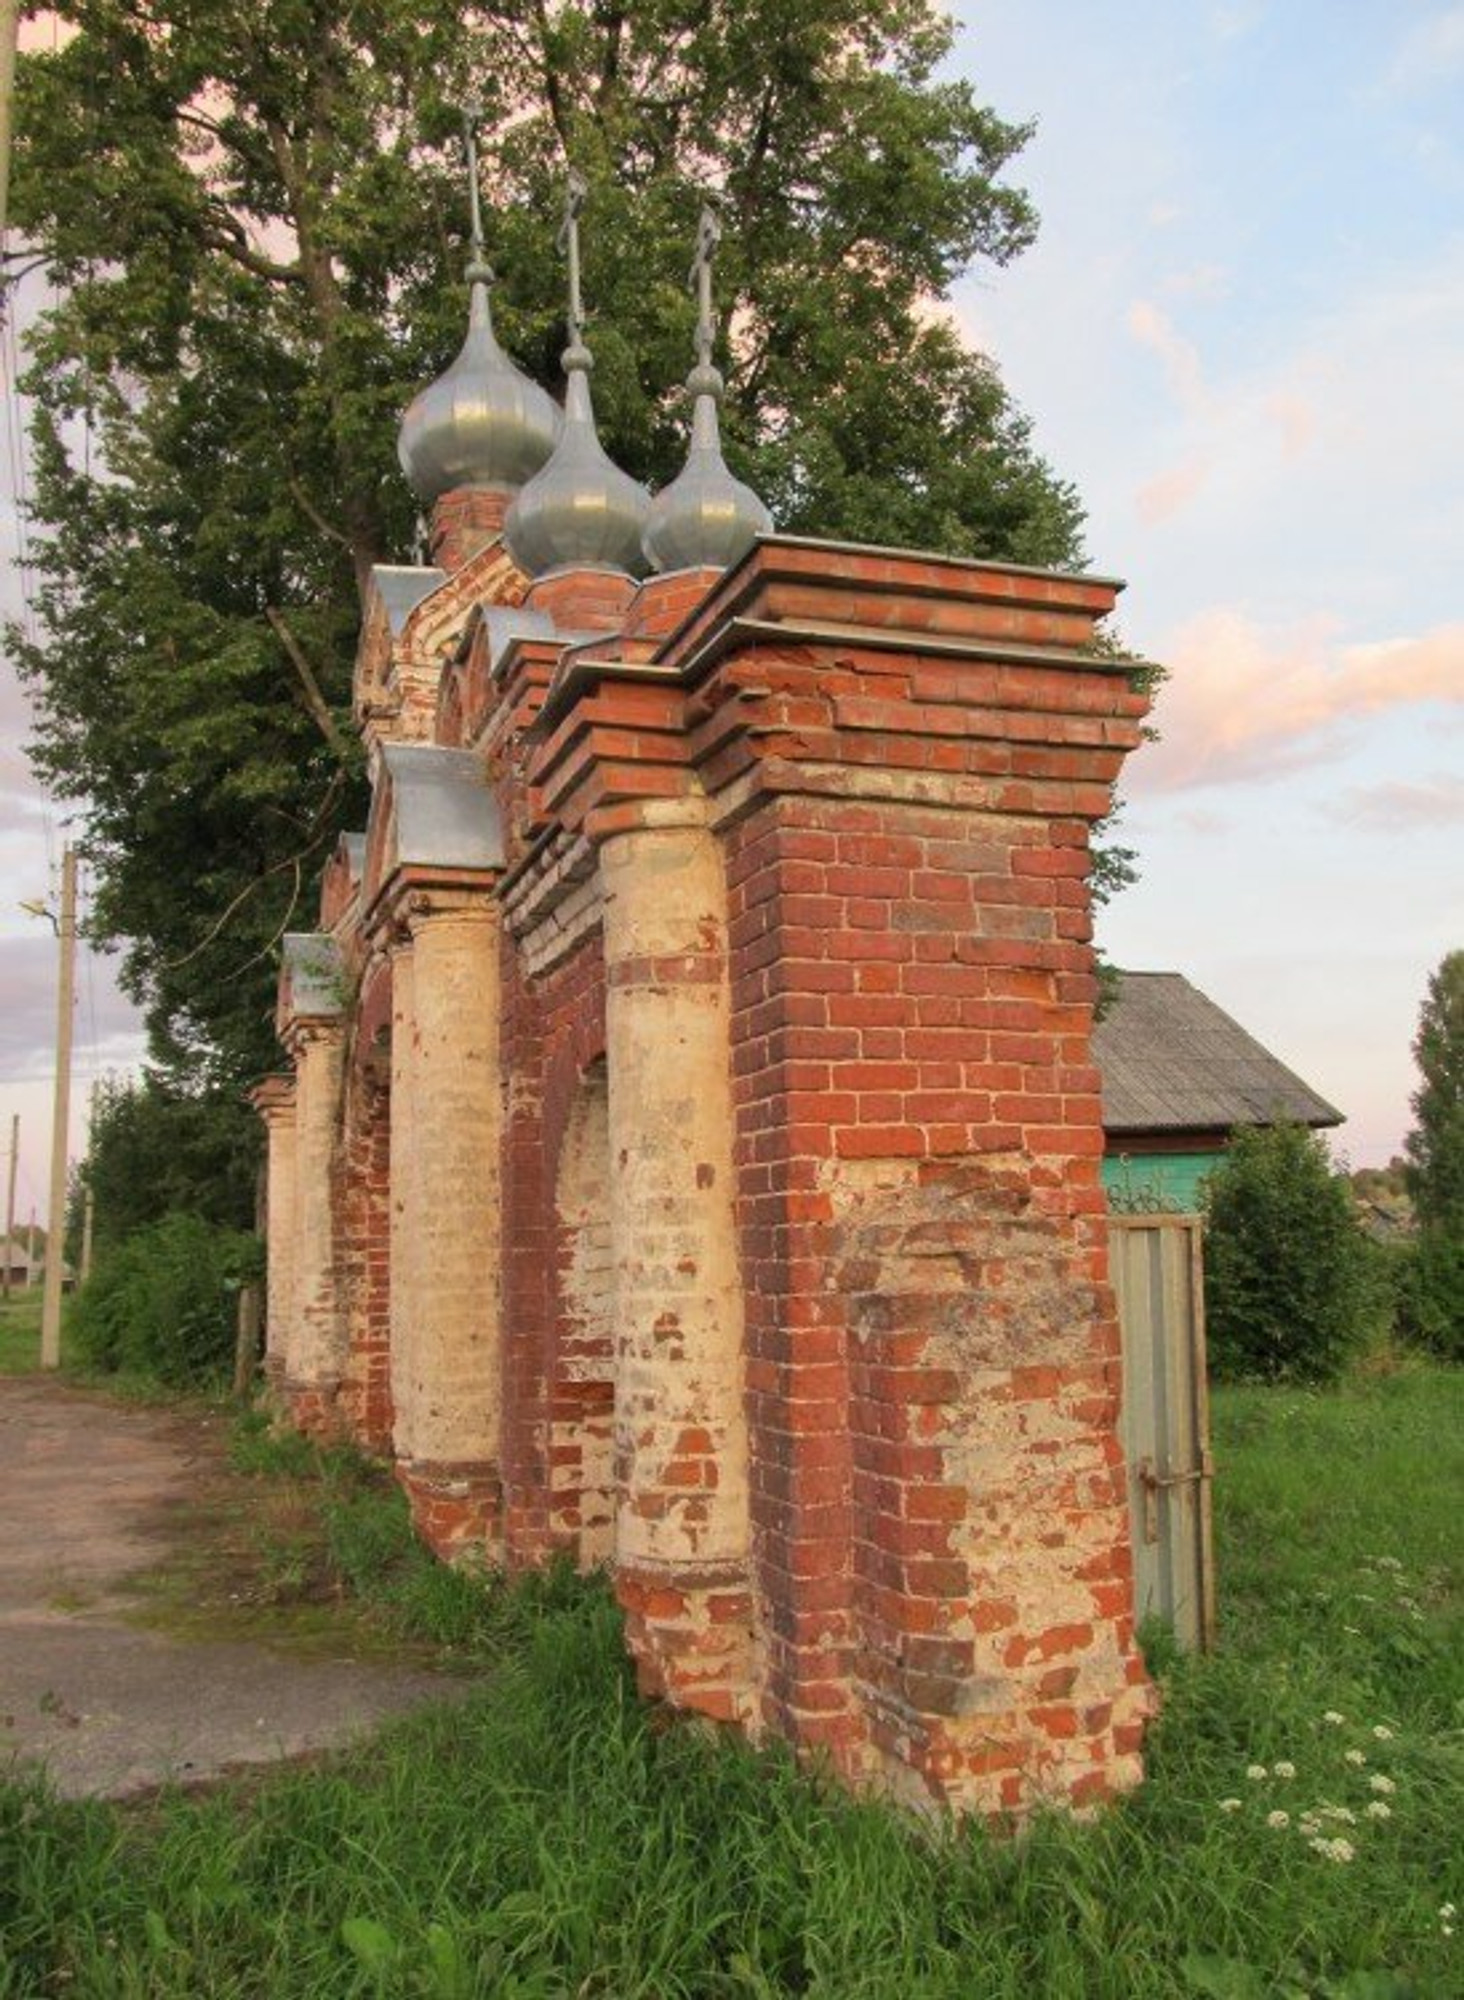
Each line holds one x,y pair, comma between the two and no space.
699,280
568,243
472,117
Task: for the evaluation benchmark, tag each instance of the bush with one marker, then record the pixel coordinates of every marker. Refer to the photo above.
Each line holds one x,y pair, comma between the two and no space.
162,1303
1291,1292
1431,1295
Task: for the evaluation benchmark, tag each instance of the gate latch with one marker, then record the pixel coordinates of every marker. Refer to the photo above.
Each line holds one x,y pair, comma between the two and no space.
1155,1482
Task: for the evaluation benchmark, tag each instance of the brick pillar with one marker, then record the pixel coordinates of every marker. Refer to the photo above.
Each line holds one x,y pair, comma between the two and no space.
445,1139
464,521
366,1261
681,1444
275,1101
315,1348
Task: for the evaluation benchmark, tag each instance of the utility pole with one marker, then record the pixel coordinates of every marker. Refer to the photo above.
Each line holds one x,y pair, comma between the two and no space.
10,1203
60,1116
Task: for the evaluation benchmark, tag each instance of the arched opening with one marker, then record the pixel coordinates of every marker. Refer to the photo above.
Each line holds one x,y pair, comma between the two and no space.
582,1376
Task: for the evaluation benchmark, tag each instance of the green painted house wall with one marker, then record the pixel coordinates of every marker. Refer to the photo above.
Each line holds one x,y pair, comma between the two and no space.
1159,1180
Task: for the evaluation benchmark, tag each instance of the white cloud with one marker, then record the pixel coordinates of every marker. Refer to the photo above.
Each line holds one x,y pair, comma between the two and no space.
1430,53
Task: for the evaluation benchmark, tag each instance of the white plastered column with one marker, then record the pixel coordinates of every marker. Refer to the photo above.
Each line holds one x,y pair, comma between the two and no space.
315,1341
275,1101
446,1123
682,1525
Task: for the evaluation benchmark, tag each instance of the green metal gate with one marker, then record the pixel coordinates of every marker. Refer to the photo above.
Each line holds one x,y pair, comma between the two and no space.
1155,1262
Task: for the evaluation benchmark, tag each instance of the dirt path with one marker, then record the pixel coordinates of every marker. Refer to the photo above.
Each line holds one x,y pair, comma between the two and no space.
91,1494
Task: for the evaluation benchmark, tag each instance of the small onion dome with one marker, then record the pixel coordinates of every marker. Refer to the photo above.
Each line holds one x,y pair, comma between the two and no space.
705,518
483,422
581,511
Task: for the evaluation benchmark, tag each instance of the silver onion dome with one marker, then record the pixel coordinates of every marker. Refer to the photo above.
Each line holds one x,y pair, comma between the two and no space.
705,517
483,422
581,511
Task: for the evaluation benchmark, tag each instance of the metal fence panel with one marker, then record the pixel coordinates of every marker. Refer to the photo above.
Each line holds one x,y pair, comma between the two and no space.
1155,1265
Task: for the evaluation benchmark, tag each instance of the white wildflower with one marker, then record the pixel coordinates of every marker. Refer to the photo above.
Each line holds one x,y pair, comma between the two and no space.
1378,1809
1355,1756
1387,1562
1344,1815
1278,1819
1230,1805
1381,1784
1334,1718
1255,1772
1355,1632
1284,1770
1447,1912
1382,1732
1334,1850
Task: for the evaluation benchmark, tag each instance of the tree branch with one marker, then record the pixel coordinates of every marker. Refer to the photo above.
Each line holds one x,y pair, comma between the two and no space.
316,519
314,701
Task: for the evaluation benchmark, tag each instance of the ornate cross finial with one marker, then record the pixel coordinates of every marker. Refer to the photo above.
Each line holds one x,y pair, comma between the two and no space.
569,245
478,266
699,280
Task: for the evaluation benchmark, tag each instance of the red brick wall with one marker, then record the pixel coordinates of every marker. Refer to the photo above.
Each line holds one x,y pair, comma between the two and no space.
554,1031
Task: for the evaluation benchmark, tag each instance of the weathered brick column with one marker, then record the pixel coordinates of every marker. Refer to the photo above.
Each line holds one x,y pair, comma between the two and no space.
274,1099
904,757
446,1121
681,1541
315,1350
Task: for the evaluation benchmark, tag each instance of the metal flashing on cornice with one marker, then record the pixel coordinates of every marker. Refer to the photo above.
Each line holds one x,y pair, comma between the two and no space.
445,810
887,639
401,588
585,670
931,557
314,975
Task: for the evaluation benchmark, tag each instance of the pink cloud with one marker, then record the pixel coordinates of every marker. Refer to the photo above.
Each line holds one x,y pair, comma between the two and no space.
1154,329
1249,701
1168,494
1403,807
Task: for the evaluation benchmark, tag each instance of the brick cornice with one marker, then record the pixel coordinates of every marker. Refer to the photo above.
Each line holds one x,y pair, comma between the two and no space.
837,668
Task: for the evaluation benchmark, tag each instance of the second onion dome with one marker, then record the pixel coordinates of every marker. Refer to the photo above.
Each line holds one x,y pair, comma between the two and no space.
483,422
581,511
705,518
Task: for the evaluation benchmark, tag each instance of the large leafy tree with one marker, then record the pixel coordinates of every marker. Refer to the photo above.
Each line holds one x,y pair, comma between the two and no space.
255,217
1434,1296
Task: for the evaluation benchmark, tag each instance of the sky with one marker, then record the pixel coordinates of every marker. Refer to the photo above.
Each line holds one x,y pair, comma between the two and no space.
1241,336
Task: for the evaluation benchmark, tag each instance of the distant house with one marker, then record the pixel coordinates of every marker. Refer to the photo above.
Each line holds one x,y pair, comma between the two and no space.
23,1271
1178,1076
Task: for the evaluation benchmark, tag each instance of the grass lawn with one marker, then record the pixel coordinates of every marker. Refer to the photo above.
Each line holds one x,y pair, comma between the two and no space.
20,1331
556,1838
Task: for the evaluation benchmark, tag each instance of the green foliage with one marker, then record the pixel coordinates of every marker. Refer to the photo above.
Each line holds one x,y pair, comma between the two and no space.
162,1302
1433,1305
157,1150
1291,1291
550,1835
255,221
1435,1146
1431,1293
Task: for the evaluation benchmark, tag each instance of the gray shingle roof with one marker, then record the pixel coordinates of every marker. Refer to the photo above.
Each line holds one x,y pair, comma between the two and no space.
1172,1061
